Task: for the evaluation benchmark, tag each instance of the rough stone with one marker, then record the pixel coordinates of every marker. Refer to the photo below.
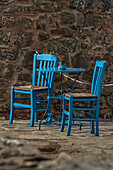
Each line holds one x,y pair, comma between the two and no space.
4,2
44,26
74,27
64,161
9,54
1,67
17,22
43,36
105,5
18,69
84,45
99,19
80,19
15,9
65,60
24,77
89,20
38,26
63,46
110,48
24,39
51,21
86,32
81,59
68,27
43,16
3,93
9,72
48,6
23,147
82,5
67,17
63,31
4,37
27,60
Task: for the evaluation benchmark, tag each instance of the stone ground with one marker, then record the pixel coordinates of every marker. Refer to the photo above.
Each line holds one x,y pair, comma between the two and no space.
25,147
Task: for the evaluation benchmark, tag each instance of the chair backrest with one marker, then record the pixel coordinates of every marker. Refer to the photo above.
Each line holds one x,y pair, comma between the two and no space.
41,78
98,77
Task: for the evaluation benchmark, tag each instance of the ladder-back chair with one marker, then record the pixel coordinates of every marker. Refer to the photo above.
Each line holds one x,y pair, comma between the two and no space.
42,82
94,96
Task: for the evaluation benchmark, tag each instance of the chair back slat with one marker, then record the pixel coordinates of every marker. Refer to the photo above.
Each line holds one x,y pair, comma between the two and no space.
39,74
43,75
46,74
51,74
34,70
98,81
98,78
44,78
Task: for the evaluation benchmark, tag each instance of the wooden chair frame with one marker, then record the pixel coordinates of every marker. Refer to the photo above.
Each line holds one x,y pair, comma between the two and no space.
42,82
92,97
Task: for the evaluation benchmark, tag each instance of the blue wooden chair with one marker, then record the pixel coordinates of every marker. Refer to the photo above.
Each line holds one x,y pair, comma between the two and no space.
42,82
93,97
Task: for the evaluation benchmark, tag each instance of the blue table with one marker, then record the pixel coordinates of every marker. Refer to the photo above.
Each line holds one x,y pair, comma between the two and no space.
49,119
67,70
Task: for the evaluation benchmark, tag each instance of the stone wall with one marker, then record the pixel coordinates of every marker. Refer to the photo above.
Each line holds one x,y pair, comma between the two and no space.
81,31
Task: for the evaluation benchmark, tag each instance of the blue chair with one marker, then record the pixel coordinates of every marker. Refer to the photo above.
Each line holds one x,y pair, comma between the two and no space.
93,97
42,82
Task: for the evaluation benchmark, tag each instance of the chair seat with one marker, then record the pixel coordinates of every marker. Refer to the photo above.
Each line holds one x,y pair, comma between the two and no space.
81,95
28,88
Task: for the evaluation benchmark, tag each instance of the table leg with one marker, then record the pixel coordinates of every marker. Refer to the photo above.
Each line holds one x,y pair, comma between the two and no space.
75,81
50,119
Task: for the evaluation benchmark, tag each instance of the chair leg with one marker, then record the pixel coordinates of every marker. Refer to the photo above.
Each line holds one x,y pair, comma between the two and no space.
92,116
12,107
35,110
49,118
49,104
63,115
32,108
63,122
97,126
70,115
97,119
